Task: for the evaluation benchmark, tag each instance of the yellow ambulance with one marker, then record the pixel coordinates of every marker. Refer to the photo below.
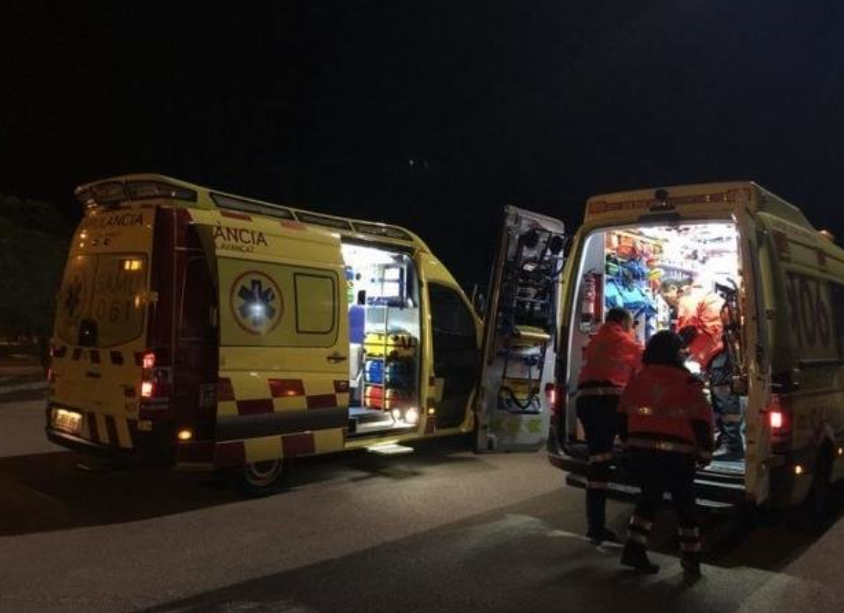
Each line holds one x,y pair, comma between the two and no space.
782,283
202,329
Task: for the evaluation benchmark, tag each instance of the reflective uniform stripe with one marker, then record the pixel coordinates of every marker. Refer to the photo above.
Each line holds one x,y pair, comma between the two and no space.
690,547
600,457
597,485
644,443
599,391
731,418
673,413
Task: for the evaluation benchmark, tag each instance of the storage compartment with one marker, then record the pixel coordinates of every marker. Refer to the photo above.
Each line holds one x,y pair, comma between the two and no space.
384,335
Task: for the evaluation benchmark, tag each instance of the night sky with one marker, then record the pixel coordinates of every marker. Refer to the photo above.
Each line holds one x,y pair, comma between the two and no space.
432,115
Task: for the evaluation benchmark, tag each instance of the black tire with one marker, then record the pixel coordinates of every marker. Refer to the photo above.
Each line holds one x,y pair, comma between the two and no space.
820,497
259,479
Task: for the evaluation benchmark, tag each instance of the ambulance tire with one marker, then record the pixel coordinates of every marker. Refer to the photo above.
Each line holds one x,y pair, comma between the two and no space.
259,479
821,498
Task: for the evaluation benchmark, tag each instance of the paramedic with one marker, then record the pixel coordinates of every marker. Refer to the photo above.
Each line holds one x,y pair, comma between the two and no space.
611,356
699,323
666,423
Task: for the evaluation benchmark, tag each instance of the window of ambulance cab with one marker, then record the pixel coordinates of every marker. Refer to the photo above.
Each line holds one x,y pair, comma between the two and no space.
455,352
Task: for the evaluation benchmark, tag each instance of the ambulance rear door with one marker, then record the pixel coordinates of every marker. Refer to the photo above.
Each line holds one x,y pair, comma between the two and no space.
758,300
517,384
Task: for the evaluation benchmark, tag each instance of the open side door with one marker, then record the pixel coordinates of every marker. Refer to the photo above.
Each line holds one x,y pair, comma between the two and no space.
517,384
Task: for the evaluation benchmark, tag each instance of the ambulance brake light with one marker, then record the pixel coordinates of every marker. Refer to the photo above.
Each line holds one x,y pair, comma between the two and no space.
777,420
147,389
551,395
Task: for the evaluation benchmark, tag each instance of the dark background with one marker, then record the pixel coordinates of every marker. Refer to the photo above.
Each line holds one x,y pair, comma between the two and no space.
432,115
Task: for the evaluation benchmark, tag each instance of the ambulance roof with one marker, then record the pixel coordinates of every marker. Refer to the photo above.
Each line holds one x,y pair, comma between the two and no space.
149,186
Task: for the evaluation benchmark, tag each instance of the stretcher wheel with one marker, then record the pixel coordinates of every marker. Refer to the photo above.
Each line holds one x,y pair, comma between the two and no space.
259,479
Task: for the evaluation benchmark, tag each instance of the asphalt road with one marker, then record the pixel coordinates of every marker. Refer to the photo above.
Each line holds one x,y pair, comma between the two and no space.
439,530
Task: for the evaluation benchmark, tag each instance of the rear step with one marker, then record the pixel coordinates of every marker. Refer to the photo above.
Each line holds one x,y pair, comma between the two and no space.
389,449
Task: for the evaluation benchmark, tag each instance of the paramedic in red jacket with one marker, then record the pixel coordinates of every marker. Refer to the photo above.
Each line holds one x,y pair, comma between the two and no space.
612,356
666,423
699,322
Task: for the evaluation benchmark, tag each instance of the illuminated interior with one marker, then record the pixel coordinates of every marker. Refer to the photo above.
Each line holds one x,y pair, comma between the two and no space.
384,333
645,270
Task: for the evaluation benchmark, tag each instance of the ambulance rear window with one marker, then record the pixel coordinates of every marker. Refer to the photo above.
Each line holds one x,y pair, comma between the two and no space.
104,294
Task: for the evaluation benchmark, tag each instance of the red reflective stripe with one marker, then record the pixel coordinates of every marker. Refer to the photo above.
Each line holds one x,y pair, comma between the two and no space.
225,391
229,453
321,401
111,428
92,427
298,444
254,407
294,225
285,388
236,215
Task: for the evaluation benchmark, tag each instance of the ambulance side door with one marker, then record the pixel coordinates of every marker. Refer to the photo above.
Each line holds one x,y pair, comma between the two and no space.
521,321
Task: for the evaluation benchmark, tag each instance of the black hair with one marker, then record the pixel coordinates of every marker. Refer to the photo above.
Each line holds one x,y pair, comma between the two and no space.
618,315
664,348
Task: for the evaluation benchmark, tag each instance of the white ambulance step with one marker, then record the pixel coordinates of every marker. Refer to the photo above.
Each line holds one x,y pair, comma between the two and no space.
389,449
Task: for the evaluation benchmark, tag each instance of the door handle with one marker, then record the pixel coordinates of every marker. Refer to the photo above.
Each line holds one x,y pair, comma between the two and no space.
336,357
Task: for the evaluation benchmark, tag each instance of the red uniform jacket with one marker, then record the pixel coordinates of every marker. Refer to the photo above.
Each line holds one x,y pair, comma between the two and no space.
664,408
612,355
702,310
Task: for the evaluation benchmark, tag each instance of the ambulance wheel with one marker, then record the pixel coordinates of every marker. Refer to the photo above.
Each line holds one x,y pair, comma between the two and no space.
821,495
261,478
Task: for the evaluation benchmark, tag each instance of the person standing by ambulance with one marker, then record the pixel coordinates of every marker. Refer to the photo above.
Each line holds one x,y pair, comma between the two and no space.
700,324
666,423
612,356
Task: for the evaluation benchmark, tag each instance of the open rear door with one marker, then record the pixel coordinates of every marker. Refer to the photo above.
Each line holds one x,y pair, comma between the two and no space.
520,326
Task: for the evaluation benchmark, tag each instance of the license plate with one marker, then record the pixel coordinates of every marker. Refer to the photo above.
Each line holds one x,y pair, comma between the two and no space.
69,421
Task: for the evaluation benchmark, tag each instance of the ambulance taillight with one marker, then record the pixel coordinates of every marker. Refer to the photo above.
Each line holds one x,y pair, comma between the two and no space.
779,420
155,385
556,396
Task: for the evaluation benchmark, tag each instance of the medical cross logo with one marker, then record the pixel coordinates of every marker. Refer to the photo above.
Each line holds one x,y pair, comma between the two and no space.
256,302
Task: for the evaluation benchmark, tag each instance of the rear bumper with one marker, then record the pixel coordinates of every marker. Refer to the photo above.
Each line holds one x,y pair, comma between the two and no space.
714,492
86,447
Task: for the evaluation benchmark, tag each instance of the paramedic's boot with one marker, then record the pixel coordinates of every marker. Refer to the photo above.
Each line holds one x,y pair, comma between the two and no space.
596,502
635,556
691,564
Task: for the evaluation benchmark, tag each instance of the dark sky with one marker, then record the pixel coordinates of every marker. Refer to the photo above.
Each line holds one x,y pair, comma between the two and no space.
430,114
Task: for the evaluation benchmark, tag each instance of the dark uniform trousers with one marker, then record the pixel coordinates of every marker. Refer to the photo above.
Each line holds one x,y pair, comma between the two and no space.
597,406
726,404
659,472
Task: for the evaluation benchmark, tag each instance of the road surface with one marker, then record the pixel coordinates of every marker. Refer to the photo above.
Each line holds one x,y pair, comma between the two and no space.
442,529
